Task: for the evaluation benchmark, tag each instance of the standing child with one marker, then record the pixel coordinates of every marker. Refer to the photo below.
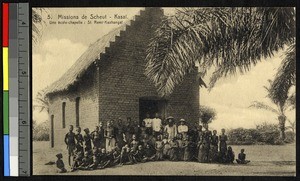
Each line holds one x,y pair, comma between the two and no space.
70,142
110,136
60,164
96,137
242,158
214,147
223,146
87,140
159,148
79,137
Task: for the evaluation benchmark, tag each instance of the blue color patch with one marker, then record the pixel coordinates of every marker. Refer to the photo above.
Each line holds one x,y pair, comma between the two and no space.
6,155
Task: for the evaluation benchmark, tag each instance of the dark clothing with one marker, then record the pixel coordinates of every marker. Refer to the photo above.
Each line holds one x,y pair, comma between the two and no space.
173,150
223,148
186,150
230,156
79,139
61,166
87,142
242,159
70,142
96,139
214,140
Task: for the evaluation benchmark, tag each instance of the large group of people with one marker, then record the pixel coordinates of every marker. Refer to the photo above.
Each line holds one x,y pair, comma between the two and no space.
128,142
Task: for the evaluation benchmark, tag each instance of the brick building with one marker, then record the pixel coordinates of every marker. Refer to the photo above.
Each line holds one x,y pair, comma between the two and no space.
108,82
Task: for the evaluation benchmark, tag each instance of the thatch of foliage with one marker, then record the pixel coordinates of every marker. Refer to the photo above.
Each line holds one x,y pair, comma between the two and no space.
227,38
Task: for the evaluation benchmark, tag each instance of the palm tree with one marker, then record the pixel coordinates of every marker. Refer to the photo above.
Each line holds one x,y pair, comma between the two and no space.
281,106
228,39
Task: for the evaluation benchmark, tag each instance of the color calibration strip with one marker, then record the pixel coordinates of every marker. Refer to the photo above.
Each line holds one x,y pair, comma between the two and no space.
5,43
13,89
16,104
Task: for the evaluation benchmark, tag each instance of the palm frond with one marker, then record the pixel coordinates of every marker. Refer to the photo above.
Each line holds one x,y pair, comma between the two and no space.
285,77
230,39
261,105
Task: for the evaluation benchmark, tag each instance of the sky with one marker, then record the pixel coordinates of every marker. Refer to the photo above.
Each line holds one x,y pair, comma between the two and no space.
61,45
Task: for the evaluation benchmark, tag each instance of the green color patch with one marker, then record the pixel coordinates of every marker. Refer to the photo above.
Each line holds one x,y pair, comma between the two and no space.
5,112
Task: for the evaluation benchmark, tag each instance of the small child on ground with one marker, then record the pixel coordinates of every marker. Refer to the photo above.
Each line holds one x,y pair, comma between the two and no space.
230,155
242,158
60,164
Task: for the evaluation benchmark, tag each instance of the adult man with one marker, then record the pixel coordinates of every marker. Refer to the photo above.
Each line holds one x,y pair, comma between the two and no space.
156,125
182,128
148,124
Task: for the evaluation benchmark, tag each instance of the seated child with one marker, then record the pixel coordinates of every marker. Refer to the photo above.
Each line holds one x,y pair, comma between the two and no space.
86,161
186,148
134,143
242,158
78,156
174,150
60,164
124,156
115,156
180,149
229,155
166,147
104,159
95,159
159,149
149,154
139,154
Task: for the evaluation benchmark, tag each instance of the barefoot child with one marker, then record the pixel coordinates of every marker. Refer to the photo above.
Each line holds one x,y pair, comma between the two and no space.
70,142
159,149
60,164
242,158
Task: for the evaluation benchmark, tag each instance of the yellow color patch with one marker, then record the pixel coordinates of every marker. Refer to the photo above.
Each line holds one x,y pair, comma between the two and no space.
5,68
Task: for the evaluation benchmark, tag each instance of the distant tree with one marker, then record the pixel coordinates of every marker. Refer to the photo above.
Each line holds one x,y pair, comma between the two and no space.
281,106
41,102
207,114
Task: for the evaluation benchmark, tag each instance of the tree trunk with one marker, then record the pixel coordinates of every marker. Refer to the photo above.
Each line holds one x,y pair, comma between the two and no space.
282,119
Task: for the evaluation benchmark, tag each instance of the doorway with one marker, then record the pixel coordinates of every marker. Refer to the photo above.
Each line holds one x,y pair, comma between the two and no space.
52,131
152,105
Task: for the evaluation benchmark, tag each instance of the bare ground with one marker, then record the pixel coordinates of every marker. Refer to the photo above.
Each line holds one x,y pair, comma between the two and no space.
266,160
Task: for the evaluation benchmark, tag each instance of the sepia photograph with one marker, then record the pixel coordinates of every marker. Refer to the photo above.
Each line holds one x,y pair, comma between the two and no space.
192,91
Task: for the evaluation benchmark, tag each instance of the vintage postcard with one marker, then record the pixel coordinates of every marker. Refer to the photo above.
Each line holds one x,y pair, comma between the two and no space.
164,91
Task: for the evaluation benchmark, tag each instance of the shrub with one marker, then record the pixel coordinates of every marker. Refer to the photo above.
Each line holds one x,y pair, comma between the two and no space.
289,137
40,132
264,133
